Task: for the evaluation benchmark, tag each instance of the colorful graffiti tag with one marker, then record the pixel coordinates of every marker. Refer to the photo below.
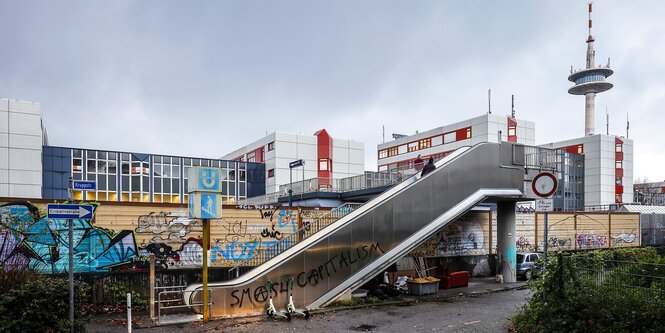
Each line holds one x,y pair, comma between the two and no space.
33,242
121,239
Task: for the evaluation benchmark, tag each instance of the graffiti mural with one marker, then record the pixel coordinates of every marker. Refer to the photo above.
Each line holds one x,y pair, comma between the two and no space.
31,241
167,227
124,237
463,237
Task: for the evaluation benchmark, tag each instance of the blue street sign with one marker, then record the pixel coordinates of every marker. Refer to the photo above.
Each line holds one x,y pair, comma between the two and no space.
296,163
203,179
85,185
205,205
69,211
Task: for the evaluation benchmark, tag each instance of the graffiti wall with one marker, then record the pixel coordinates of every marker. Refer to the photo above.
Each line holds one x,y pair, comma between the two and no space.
123,236
582,231
466,236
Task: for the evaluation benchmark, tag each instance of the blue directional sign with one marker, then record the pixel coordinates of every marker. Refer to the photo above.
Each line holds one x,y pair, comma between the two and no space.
205,205
296,163
203,179
85,185
69,211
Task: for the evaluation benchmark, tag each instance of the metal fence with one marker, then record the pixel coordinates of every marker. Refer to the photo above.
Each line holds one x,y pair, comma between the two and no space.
643,282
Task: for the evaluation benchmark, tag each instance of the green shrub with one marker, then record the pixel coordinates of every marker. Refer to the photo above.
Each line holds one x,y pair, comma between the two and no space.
585,293
41,305
12,279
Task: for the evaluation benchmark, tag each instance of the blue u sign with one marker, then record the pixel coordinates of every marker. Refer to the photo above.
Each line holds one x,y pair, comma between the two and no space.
203,179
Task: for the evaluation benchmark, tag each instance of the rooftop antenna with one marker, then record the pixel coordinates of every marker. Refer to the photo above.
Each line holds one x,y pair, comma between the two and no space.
489,101
383,127
627,125
512,105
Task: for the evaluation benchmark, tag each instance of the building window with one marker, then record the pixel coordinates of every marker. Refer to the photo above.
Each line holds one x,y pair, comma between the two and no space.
425,143
325,164
618,148
263,154
271,173
512,130
413,146
618,165
271,146
449,137
251,158
383,153
468,133
392,151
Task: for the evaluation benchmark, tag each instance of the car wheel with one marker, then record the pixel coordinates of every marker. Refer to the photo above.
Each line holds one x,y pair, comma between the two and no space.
528,275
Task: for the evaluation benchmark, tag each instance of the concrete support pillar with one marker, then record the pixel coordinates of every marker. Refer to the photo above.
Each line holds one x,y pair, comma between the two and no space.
589,114
505,240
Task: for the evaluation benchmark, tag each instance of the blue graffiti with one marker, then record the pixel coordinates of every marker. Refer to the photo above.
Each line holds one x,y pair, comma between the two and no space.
285,218
42,245
235,251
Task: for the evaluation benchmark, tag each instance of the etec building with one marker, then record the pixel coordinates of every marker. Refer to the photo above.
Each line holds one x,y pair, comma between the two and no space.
30,168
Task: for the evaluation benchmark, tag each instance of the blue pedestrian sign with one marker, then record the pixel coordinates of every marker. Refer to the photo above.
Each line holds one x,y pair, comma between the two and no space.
203,179
69,211
85,185
296,163
205,205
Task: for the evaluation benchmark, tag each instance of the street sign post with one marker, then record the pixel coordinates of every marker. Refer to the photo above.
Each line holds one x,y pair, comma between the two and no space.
544,185
85,185
69,211
205,202
295,164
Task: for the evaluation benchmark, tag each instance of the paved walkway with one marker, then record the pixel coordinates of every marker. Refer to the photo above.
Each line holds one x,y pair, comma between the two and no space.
142,323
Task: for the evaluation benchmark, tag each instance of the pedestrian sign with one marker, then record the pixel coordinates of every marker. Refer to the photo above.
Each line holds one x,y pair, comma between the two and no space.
205,206
204,179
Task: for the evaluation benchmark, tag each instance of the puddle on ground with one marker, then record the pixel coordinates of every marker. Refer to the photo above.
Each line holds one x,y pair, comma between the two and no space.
363,328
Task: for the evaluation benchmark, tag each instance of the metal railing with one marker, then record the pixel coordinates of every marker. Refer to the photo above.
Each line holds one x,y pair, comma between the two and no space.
308,228
541,158
369,179
170,298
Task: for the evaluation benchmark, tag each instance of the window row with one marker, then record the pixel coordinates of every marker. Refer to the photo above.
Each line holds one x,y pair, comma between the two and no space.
449,137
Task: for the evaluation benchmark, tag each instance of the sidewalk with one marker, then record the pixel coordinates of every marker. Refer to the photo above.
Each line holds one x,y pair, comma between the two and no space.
116,322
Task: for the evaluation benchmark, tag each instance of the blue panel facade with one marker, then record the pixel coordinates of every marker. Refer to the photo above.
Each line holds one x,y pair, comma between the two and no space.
125,176
56,170
256,179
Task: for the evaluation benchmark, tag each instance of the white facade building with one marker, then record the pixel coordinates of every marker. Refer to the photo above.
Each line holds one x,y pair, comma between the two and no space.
21,138
440,141
608,167
325,158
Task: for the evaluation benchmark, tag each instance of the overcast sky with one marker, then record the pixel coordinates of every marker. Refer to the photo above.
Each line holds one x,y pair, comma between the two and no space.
203,78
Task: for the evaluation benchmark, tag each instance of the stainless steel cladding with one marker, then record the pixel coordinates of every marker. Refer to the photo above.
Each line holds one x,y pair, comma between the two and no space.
352,250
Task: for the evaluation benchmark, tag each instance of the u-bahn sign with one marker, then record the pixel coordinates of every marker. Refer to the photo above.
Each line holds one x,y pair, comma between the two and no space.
203,179
205,188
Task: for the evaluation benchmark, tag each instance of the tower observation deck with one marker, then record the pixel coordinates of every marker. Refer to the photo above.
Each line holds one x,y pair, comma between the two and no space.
590,81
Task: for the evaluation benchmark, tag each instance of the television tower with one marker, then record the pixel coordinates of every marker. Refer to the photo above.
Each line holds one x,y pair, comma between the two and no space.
590,81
